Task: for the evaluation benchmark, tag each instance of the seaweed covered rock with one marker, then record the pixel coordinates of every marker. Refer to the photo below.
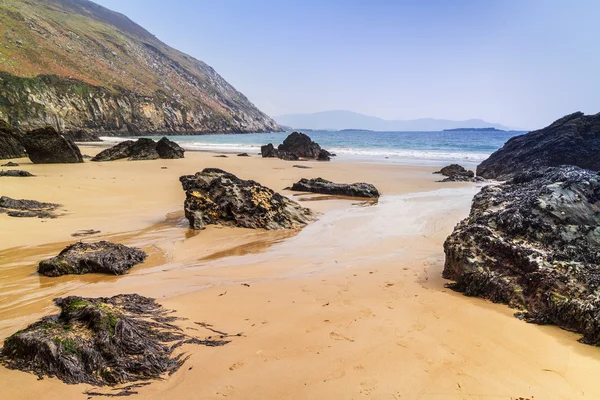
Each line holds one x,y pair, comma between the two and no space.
99,257
323,186
101,341
214,196
27,208
572,140
10,142
141,149
81,136
16,173
47,146
168,149
534,244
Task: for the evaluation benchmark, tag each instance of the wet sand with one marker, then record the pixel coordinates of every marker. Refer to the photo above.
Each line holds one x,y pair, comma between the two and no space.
353,306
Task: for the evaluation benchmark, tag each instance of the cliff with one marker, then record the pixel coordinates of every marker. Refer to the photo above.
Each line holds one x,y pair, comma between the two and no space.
73,64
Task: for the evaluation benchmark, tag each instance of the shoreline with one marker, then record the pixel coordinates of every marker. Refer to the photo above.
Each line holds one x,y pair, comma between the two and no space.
351,306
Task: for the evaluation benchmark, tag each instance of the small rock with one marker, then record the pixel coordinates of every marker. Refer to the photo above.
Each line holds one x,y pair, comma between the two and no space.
85,232
243,155
16,173
10,164
324,186
301,166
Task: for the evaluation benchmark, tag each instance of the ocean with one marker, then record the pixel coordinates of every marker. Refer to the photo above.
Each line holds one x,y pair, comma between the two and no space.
425,148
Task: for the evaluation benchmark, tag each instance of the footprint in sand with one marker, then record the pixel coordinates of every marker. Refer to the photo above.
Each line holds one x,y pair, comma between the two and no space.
226,391
367,387
237,365
338,336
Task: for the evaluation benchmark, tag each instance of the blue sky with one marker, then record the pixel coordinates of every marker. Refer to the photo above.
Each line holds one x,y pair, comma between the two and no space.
522,63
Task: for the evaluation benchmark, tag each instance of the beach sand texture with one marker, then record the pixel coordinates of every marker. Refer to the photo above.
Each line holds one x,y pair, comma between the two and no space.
353,306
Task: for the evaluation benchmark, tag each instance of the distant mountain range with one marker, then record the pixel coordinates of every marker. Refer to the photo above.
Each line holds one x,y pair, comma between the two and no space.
339,120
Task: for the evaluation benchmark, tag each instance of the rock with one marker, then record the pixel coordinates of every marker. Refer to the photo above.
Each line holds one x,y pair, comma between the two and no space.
10,164
98,257
301,166
301,145
141,149
287,156
47,146
16,173
221,156
168,149
572,140
85,232
81,136
214,196
323,186
457,173
268,151
534,244
101,341
86,157
324,155
27,208
10,142
243,155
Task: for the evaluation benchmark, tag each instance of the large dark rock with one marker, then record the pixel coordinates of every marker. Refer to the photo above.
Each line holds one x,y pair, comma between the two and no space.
16,173
27,208
168,149
141,149
324,186
10,142
572,140
301,145
81,136
269,151
47,146
214,196
534,243
324,155
99,257
456,173
101,341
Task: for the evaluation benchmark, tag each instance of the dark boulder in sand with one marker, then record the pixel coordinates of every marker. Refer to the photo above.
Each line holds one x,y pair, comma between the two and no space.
16,173
47,146
324,155
101,341
141,149
301,145
214,196
27,208
457,173
168,149
572,140
99,257
323,186
268,151
243,155
81,136
10,142
534,244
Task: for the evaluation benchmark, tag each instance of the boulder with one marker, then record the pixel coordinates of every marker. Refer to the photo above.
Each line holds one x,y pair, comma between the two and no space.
119,151
16,173
168,149
101,341
47,146
98,257
323,186
27,208
534,244
324,155
10,142
457,173
81,136
143,149
214,196
572,140
287,156
268,151
301,145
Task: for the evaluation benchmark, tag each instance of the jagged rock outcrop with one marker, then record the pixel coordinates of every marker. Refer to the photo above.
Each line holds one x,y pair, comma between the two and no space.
534,244
168,149
323,186
82,136
10,143
297,145
101,341
16,173
47,146
572,140
457,173
77,65
214,196
141,149
27,208
97,257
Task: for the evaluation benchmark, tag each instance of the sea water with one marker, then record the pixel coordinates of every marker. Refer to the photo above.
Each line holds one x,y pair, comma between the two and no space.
425,148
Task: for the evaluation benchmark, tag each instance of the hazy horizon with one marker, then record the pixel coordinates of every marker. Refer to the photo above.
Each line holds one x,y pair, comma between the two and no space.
519,64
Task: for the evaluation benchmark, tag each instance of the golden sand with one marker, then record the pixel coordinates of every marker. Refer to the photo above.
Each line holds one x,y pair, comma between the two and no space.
351,307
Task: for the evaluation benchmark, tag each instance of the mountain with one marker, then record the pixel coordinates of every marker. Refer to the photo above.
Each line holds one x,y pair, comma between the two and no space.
74,64
338,120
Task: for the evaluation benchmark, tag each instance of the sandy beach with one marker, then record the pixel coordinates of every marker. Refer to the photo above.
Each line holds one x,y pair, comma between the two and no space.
353,306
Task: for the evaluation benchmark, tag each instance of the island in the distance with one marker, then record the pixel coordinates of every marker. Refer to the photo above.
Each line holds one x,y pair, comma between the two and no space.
474,130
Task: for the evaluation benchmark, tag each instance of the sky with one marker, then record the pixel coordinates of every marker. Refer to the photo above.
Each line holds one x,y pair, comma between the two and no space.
521,63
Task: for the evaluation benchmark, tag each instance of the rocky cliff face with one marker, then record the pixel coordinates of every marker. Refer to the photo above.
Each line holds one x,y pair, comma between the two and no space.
73,64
